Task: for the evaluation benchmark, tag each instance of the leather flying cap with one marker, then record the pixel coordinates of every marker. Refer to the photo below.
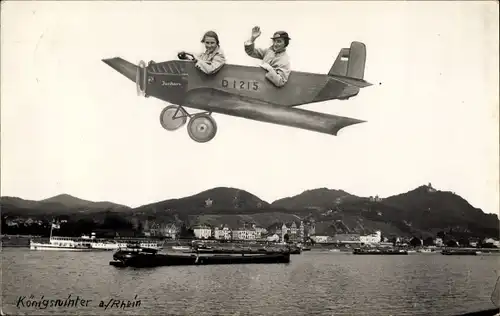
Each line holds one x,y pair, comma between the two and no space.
281,34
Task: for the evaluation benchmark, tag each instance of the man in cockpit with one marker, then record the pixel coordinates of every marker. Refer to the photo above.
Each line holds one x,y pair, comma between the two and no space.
275,58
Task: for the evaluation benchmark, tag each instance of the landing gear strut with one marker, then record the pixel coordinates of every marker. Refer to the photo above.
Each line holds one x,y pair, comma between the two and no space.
201,127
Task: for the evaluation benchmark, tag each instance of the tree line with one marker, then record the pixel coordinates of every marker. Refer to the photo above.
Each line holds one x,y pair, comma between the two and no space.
111,226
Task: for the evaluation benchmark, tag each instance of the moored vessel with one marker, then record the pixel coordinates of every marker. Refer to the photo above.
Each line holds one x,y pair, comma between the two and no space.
60,243
376,251
85,243
459,252
140,242
145,258
426,250
182,248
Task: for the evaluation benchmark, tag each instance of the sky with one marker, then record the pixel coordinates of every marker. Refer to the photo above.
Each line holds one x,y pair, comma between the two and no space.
71,124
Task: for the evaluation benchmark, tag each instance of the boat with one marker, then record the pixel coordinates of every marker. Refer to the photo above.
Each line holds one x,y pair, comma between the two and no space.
459,252
376,251
100,243
146,258
487,252
305,248
110,245
84,243
60,243
182,248
241,251
295,250
150,244
426,250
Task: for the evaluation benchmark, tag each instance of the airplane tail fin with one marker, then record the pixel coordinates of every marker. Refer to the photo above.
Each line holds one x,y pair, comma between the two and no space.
350,65
350,62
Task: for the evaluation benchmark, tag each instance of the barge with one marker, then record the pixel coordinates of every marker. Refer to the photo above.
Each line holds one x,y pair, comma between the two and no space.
146,258
240,251
459,252
359,251
220,249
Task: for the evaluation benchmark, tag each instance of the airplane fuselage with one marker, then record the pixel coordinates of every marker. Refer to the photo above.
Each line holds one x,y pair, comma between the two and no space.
179,82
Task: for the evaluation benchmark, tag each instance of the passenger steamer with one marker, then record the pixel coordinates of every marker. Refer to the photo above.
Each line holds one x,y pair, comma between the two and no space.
85,243
60,243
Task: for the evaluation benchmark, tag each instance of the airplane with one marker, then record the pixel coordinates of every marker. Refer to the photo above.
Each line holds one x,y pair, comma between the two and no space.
243,91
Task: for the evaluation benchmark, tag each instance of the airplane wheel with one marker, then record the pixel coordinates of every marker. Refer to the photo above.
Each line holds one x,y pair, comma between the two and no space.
202,128
168,121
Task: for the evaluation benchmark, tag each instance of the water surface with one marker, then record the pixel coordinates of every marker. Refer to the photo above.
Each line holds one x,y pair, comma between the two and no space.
314,283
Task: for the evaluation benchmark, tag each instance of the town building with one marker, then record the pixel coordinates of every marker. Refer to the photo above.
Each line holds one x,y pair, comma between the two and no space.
439,242
374,238
346,238
492,241
273,238
244,234
202,231
321,239
222,232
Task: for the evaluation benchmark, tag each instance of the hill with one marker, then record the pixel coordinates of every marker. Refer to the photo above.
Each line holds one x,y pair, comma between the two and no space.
74,202
57,205
221,205
217,199
423,211
317,198
433,210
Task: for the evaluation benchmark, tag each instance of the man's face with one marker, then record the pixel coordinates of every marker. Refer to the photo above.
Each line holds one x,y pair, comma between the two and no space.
278,44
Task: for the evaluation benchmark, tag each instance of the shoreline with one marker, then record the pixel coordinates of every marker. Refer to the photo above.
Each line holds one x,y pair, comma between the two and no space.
21,241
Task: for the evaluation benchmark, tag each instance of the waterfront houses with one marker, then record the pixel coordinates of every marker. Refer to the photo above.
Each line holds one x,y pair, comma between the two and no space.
320,239
301,231
244,234
273,238
169,230
225,232
202,232
248,231
222,233
278,232
374,238
492,241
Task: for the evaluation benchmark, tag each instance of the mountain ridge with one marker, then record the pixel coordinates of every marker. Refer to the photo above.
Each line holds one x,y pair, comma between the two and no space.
423,210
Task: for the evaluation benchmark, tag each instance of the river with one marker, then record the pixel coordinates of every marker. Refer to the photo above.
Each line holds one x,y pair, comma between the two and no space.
314,283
